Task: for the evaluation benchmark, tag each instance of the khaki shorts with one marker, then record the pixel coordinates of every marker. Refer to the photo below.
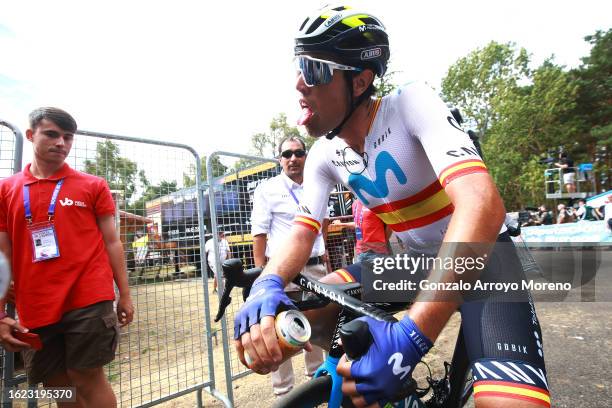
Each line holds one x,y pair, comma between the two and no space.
83,338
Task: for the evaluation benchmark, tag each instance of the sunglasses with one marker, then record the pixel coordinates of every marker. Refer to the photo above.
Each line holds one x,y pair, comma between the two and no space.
319,72
299,153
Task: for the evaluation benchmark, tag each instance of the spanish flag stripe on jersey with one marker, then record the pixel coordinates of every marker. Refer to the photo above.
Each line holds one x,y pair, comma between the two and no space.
423,221
461,168
347,277
427,206
511,390
512,396
314,225
427,192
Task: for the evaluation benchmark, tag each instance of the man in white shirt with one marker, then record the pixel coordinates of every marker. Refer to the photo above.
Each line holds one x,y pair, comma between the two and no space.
274,206
224,253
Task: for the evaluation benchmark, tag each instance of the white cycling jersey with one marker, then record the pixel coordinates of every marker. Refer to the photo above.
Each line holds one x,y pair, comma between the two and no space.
413,149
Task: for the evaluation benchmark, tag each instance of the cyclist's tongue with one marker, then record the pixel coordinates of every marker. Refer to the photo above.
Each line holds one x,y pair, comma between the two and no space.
306,116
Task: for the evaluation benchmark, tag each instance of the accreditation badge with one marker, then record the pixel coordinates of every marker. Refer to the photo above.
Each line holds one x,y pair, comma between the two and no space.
358,233
44,241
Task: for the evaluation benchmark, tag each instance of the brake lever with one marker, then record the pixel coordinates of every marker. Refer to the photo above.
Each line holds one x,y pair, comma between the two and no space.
225,301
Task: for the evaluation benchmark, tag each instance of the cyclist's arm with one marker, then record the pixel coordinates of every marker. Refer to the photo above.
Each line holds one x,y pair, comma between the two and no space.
290,259
478,216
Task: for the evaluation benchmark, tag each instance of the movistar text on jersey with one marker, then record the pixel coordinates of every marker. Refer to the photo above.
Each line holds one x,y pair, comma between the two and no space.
461,285
416,263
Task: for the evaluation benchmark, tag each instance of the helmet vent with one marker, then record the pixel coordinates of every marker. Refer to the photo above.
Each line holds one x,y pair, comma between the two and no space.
315,24
304,23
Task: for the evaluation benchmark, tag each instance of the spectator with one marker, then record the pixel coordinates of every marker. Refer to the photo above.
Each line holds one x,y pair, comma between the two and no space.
64,259
586,212
370,234
275,204
544,217
224,253
564,215
566,164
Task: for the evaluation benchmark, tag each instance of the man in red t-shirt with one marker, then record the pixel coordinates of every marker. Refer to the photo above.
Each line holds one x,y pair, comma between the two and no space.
57,228
370,234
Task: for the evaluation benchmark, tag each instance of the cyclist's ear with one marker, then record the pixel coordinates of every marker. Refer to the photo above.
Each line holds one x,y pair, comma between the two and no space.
362,81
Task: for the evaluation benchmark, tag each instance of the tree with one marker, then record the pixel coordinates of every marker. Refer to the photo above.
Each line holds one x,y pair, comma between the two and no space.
151,192
479,81
119,172
385,85
219,169
593,107
521,112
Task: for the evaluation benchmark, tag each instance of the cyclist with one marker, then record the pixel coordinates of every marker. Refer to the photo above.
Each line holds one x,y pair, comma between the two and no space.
407,160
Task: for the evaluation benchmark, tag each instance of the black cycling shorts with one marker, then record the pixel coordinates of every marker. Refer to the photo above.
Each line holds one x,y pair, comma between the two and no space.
503,339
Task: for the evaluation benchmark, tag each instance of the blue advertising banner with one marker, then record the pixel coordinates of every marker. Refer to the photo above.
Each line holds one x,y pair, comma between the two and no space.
581,231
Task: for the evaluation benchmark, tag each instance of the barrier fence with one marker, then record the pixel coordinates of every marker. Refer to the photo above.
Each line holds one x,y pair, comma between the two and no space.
230,198
167,351
231,202
11,149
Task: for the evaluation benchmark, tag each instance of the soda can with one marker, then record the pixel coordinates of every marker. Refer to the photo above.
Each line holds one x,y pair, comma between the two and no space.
293,331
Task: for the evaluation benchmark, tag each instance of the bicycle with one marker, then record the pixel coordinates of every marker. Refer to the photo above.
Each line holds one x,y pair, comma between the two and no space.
353,338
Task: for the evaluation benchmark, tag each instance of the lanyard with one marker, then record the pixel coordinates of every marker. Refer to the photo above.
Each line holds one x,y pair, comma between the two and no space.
359,215
292,194
26,201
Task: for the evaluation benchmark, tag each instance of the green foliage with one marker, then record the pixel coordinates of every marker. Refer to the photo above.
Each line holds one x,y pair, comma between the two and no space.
218,169
385,85
151,192
267,144
521,113
119,172
478,82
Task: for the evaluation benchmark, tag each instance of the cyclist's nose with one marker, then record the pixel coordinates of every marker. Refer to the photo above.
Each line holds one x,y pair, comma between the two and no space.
300,85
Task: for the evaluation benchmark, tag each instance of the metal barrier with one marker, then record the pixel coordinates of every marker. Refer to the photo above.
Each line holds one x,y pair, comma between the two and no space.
167,351
11,149
230,198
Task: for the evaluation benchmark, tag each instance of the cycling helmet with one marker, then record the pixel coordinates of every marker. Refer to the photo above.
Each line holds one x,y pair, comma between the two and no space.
358,39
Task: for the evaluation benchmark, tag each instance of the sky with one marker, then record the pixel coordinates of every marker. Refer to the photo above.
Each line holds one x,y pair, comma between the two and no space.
211,74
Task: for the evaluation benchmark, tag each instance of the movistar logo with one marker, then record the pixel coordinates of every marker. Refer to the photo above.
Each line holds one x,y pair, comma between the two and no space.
397,368
377,188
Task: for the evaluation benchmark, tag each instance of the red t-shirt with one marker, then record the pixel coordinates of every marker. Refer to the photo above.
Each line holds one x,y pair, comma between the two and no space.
82,274
372,230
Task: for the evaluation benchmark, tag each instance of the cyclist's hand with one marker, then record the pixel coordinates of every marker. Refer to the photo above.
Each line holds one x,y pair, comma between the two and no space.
254,330
379,374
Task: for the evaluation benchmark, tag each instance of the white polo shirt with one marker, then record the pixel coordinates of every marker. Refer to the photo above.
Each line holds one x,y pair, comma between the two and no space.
275,203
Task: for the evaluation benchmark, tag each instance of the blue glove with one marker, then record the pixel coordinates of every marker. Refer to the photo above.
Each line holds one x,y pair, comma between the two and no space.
267,294
396,350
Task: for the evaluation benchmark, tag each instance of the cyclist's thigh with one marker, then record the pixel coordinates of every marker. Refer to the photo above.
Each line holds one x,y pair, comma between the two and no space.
504,345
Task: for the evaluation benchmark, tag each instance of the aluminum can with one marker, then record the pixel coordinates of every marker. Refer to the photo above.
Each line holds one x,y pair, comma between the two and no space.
293,332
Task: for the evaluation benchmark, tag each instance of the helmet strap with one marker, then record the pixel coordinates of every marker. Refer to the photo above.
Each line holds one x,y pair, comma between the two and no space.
354,105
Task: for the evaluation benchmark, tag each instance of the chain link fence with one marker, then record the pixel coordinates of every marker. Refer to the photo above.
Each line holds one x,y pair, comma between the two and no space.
230,197
167,351
11,149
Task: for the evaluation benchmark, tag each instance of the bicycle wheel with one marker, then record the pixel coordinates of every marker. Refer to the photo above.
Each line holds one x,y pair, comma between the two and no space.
313,393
